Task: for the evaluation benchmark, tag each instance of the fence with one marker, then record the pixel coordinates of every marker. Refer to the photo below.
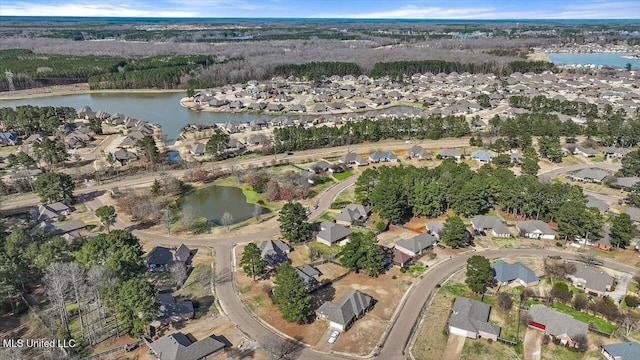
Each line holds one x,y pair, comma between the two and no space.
507,342
596,331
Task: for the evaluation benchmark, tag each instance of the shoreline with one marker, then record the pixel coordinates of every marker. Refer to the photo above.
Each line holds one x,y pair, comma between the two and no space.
73,89
539,56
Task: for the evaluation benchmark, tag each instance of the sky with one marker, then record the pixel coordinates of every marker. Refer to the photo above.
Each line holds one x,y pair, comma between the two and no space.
369,9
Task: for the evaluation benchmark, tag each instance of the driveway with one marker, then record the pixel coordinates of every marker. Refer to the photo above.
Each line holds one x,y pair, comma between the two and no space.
533,344
621,289
454,347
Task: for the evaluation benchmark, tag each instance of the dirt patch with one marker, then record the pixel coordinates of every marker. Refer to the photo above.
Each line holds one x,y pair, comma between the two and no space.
454,347
299,256
362,337
533,344
330,271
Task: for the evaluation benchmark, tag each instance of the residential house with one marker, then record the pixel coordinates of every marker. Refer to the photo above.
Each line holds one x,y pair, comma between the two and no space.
418,152
54,211
256,139
275,107
274,252
172,310
492,223
382,156
344,313
218,102
9,139
25,174
591,175
625,182
309,275
331,233
450,154
616,152
629,350
435,228
32,139
338,168
401,258
358,105
297,108
178,346
514,274
481,156
236,104
123,157
585,151
320,167
352,158
416,245
535,229
259,106
634,213
160,258
352,213
597,203
557,324
591,279
198,149
59,228
470,318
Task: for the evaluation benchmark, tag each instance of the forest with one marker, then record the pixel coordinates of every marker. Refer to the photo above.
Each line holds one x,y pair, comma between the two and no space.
398,193
30,69
45,120
435,127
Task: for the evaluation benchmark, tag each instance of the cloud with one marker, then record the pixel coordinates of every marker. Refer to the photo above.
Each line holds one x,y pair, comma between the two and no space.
91,9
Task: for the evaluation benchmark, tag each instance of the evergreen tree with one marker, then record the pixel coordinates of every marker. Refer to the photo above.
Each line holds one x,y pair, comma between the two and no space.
634,195
363,252
479,274
530,162
454,232
622,230
136,305
217,145
107,215
631,164
251,262
291,294
53,187
293,225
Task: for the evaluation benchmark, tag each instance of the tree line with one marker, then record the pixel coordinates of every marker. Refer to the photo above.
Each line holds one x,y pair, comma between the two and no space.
318,69
27,120
434,127
397,69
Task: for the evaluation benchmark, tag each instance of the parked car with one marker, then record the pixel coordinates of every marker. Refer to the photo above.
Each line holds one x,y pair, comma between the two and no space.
333,337
131,347
441,246
289,153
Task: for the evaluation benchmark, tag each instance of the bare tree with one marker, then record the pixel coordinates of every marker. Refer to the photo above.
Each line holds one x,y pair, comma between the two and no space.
188,217
178,273
56,284
167,219
505,301
96,276
580,302
629,321
282,349
257,211
77,280
582,344
227,220
558,269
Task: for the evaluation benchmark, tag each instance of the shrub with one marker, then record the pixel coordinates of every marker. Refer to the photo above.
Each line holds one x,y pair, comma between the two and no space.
631,301
339,205
381,226
559,243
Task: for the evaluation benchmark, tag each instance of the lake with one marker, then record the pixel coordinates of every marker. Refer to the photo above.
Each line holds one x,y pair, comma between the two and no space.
213,201
611,59
159,108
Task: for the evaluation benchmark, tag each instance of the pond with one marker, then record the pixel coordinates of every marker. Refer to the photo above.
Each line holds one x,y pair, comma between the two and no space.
174,157
612,59
213,201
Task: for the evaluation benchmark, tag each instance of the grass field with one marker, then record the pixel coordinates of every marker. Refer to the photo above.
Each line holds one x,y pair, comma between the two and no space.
325,250
343,175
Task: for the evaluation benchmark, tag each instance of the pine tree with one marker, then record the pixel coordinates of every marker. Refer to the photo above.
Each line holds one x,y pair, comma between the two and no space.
479,274
291,295
454,233
251,261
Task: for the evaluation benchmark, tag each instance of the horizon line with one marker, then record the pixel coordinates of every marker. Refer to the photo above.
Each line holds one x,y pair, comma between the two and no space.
309,18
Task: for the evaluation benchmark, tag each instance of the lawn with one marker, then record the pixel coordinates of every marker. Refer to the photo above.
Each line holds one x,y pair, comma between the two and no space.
324,250
416,269
347,195
343,175
198,283
327,216
601,324
455,289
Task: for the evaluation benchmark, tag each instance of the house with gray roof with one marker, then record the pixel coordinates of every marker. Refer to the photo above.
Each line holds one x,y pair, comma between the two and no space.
352,213
450,154
54,211
344,313
382,156
481,156
435,228
352,158
634,213
309,275
591,279
178,346
331,234
470,318
557,324
535,229
629,350
616,152
59,227
274,252
585,151
160,258
172,310
591,175
197,149
492,223
416,245
625,182
597,203
514,274
418,152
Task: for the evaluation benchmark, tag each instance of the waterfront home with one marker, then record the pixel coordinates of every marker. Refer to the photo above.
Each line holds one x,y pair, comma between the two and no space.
557,324
297,108
535,229
470,318
259,106
490,223
160,258
123,157
591,279
275,107
351,214
514,274
346,311
197,149
331,234
178,346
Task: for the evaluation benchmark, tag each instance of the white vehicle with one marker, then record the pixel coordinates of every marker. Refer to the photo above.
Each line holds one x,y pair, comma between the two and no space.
333,337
